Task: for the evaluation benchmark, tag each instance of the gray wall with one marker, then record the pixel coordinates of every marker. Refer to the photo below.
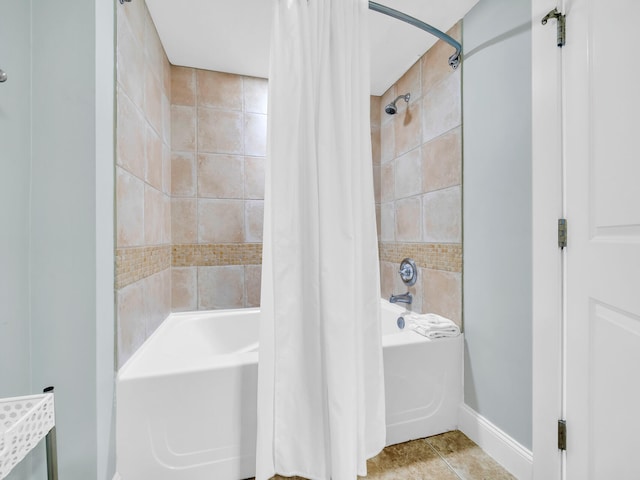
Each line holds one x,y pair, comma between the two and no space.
497,214
15,145
57,194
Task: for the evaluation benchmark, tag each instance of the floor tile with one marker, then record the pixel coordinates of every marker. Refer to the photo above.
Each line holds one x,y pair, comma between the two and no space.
414,460
466,458
449,456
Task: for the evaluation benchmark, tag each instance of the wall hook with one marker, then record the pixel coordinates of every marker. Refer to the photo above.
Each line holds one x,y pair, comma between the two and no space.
562,25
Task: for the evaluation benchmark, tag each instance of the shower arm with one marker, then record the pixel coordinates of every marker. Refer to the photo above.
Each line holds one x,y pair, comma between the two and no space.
454,60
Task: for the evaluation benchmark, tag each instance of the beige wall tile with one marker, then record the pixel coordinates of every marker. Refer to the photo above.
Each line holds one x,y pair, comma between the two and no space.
154,216
166,169
183,128
166,119
255,135
408,128
131,321
221,287
130,63
153,158
387,222
219,131
166,226
443,294
154,52
408,180
442,212
409,83
252,284
184,220
134,15
387,182
220,90
442,161
183,86
153,99
129,209
254,216
157,299
220,221
378,220
166,77
184,288
376,183
375,145
183,174
435,63
220,176
256,94
441,108
254,177
131,136
408,220
374,110
387,141
387,280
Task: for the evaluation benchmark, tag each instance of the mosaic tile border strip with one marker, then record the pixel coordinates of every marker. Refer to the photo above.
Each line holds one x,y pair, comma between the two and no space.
216,254
136,263
437,256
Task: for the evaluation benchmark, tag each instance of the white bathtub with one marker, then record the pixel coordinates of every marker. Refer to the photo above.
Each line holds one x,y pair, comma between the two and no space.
186,401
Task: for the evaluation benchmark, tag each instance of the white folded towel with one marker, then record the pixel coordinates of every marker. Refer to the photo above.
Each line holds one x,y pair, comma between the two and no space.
431,325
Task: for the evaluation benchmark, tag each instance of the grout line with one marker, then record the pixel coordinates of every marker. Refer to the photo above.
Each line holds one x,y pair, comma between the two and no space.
444,460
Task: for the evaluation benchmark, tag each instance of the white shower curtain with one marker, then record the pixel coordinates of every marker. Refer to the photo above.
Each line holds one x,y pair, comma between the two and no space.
321,391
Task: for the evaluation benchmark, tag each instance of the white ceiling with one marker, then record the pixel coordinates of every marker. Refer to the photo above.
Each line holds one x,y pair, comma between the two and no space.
233,35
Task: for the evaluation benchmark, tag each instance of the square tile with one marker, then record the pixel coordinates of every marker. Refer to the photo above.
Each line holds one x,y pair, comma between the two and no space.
184,220
183,174
408,180
220,176
220,131
254,177
254,216
183,128
183,86
184,284
129,209
220,287
408,219
256,94
442,161
219,90
221,221
255,134
442,216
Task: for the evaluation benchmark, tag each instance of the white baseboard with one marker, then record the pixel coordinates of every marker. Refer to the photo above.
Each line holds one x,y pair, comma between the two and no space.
515,458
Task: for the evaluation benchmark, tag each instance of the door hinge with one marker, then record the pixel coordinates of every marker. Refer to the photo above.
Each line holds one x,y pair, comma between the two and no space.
562,25
562,434
562,232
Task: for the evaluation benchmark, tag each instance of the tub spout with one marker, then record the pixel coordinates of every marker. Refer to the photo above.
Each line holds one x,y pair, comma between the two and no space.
404,298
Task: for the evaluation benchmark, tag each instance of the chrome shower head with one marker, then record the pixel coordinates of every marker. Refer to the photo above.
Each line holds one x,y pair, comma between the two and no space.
391,109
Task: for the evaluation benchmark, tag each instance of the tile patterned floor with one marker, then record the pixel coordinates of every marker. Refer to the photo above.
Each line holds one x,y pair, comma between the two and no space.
450,456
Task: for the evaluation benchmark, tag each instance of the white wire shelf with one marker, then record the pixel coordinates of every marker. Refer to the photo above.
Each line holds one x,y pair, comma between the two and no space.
24,421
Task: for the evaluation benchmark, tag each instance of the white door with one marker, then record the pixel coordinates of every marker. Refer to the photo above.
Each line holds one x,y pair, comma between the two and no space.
602,192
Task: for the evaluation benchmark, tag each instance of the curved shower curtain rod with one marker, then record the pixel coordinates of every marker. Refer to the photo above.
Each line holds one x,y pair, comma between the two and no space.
454,60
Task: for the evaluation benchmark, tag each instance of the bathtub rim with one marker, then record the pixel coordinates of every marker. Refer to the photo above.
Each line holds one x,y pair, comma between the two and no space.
127,371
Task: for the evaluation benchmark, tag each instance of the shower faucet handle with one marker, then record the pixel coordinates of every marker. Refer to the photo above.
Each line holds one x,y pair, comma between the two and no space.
408,272
3,76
